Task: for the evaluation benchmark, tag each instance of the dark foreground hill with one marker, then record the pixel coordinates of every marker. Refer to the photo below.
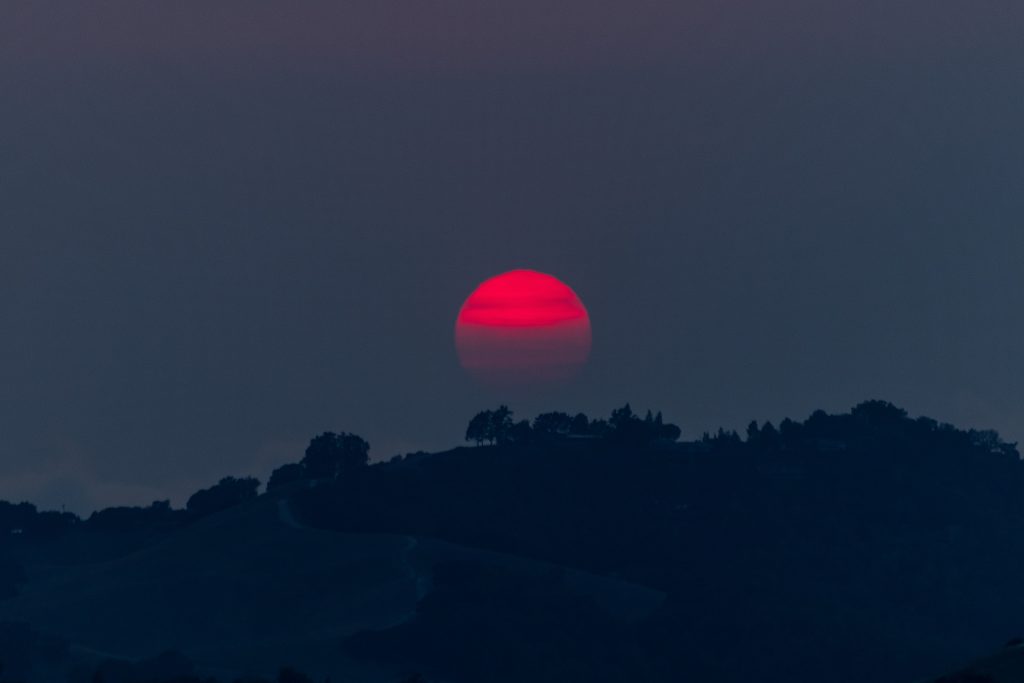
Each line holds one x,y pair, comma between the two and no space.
863,546
1005,666
246,590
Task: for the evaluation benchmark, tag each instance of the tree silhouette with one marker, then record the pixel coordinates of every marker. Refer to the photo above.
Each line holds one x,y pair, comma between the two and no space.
762,437
553,424
878,413
228,492
331,455
520,433
501,424
492,426
580,425
669,432
479,429
599,428
626,427
723,439
622,418
286,474
789,431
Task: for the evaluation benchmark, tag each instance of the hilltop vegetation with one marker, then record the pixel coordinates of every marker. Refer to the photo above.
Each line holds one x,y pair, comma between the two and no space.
867,545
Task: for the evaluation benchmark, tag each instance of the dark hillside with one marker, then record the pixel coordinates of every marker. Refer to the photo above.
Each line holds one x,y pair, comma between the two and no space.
1005,666
863,546
248,589
861,538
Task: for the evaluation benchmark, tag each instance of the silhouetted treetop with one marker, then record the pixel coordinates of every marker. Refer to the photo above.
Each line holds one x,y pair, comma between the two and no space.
626,427
580,425
492,426
623,426
874,412
875,421
228,492
553,424
812,535
331,455
159,515
286,474
877,426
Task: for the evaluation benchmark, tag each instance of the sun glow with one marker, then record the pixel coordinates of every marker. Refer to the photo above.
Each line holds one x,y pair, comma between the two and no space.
523,328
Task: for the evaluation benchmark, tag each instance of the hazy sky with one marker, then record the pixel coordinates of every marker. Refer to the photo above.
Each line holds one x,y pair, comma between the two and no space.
226,227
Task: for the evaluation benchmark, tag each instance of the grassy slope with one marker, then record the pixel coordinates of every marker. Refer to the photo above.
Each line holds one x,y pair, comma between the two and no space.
250,589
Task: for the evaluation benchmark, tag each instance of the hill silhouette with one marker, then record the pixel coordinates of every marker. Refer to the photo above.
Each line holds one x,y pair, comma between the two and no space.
866,545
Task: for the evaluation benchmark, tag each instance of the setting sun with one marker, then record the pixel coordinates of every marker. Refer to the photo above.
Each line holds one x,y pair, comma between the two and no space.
523,328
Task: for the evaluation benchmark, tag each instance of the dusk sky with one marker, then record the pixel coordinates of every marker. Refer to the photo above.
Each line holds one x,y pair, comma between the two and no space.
227,227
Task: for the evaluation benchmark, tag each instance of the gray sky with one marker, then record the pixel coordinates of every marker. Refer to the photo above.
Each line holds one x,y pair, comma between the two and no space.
226,227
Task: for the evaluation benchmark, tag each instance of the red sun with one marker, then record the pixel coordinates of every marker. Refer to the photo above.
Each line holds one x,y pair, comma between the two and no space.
522,328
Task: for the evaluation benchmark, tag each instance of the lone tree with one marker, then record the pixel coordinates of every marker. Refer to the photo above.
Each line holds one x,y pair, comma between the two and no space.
331,456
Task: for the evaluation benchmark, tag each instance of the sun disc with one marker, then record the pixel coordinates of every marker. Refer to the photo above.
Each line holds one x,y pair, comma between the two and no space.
523,328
